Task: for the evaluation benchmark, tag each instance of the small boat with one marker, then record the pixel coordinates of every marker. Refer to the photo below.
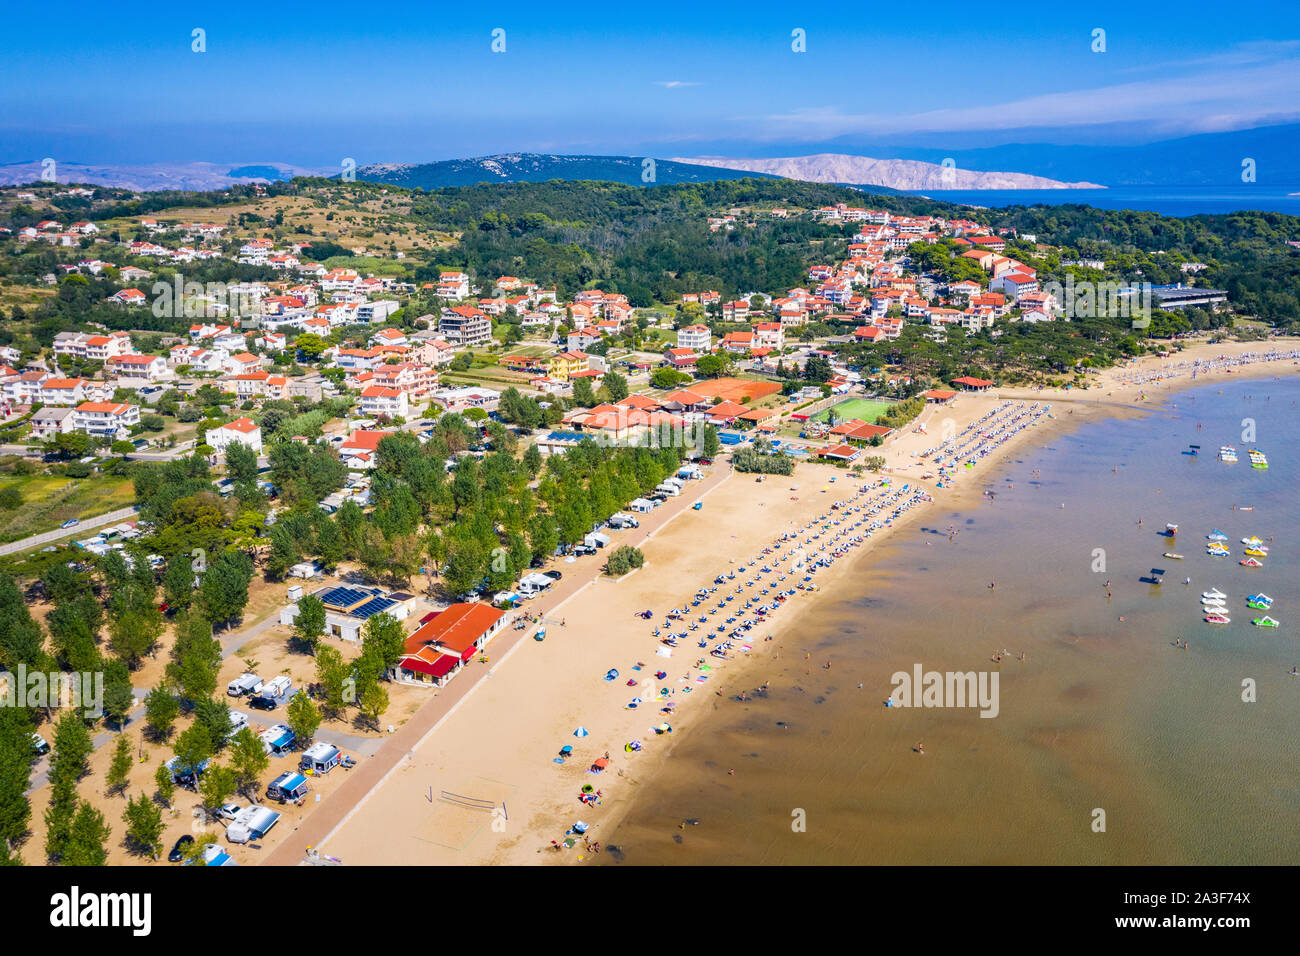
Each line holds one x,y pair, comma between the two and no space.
1213,593
1257,552
1252,541
1251,563
1260,601
1217,619
1265,621
1213,552
1173,557
1172,529
1216,535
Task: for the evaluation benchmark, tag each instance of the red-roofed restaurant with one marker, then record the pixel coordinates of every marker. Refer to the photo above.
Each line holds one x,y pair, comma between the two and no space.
441,646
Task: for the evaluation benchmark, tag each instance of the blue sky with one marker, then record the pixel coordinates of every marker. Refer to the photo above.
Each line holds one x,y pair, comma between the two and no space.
312,83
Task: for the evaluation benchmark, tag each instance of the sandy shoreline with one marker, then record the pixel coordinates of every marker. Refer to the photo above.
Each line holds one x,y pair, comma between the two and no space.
499,741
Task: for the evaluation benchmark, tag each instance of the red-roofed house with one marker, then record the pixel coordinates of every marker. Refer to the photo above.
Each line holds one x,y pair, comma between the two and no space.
243,431
379,401
439,648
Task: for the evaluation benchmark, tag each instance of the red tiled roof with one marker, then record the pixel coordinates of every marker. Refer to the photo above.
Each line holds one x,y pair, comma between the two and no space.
457,628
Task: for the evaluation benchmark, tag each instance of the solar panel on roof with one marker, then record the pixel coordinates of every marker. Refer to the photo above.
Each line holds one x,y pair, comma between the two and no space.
344,596
372,607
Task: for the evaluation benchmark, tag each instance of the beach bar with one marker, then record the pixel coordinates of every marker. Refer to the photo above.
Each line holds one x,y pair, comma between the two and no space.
440,647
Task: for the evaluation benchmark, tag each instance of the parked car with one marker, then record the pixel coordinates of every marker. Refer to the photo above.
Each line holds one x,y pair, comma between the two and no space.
176,855
554,575
584,549
263,703
230,810
70,522
40,745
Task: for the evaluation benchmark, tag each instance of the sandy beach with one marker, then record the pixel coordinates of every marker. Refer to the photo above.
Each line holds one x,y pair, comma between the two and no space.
497,739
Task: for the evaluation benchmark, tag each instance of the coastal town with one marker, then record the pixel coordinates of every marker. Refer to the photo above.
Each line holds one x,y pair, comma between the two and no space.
296,515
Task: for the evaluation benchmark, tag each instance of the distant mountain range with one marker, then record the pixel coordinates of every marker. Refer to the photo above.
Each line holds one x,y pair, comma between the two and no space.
540,167
907,174
1208,159
148,178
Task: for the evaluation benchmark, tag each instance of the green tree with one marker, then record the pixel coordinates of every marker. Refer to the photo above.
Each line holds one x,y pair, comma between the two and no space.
249,760
144,825
384,639
16,757
309,625
224,589
582,393
373,703
333,675
303,717
86,839
617,386
241,463
161,708
709,442
217,785
193,746
164,784
119,770
72,747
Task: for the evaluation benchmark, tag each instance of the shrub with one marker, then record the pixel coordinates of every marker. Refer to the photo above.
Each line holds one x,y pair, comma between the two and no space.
623,560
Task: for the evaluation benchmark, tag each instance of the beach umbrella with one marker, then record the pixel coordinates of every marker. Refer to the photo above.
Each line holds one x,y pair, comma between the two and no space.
566,749
581,732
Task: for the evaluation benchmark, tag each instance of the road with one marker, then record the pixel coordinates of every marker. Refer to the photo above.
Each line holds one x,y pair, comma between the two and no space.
37,540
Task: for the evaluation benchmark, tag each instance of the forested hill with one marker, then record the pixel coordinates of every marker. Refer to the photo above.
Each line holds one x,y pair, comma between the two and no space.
650,244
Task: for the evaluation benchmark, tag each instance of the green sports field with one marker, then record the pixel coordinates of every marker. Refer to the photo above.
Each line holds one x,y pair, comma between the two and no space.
864,408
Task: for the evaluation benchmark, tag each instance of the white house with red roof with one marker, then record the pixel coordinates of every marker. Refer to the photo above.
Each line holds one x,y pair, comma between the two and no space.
150,367
62,391
770,335
453,285
105,419
379,401
242,431
128,297
696,338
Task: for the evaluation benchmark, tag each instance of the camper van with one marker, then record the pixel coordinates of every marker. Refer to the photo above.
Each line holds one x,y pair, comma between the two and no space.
621,521
320,758
288,786
278,686
533,583
278,740
244,684
252,823
238,721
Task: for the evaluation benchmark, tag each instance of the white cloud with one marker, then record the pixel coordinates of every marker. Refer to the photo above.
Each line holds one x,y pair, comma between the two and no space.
674,84
1229,95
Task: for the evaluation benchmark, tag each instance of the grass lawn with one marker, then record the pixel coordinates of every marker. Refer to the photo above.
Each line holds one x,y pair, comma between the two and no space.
864,408
48,501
